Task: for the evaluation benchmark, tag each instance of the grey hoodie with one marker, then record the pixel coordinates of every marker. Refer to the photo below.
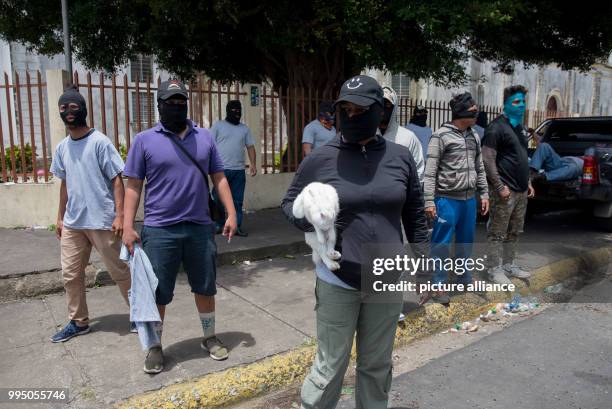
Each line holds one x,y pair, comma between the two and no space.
454,166
402,136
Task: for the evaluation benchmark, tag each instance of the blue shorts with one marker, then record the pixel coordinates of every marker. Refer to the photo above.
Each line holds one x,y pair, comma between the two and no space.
188,243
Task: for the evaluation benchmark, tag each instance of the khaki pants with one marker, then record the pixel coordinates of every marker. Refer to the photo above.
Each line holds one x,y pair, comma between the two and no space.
341,313
76,249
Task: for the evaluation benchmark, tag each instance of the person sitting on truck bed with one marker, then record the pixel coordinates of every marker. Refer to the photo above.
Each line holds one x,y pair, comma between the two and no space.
547,165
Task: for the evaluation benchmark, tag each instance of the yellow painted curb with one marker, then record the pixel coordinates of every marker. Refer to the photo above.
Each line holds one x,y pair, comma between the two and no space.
231,385
237,384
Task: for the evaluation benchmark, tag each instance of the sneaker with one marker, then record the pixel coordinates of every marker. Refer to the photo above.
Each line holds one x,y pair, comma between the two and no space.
215,348
133,328
69,331
401,317
516,271
154,362
241,233
498,275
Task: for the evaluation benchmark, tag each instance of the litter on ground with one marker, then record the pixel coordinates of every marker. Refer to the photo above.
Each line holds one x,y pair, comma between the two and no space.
513,308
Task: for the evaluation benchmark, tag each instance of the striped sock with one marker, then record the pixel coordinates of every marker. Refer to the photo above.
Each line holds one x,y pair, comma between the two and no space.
208,323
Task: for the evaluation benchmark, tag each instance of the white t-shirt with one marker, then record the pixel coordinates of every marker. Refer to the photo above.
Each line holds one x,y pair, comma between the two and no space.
88,166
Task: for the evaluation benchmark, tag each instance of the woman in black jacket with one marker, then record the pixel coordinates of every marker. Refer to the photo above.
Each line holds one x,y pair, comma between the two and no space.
378,187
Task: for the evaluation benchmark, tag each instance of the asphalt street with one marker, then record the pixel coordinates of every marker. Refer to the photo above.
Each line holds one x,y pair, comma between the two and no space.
559,359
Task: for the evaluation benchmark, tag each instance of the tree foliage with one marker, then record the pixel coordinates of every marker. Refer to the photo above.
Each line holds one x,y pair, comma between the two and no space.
316,43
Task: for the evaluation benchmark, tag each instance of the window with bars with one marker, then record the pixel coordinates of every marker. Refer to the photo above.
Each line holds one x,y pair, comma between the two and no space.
401,84
141,69
143,106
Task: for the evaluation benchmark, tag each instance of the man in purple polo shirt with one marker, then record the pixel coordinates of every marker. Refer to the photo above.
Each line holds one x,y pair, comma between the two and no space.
177,224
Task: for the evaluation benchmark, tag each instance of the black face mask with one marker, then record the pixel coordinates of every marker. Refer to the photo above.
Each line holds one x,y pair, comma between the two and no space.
233,116
80,117
233,111
360,127
387,115
80,114
419,120
173,116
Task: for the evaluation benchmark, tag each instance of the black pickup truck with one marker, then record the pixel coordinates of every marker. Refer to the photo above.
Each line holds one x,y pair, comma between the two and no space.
591,139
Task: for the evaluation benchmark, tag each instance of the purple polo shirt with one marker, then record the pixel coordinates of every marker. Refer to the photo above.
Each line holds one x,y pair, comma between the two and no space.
175,190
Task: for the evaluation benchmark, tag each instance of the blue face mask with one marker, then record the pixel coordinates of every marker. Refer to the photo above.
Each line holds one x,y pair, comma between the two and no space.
515,113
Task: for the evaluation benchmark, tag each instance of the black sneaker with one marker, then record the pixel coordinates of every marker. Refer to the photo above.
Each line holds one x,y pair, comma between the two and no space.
154,362
71,330
241,233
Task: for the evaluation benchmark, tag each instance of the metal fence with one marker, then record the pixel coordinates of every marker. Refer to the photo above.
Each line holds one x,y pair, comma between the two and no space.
118,107
23,137
121,108
285,113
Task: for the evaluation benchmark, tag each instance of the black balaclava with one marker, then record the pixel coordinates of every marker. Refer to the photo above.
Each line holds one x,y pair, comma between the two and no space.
326,111
419,116
460,104
388,111
482,119
360,127
72,96
233,111
172,116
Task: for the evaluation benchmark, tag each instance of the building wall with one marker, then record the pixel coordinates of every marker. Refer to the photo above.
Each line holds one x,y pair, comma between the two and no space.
575,91
35,204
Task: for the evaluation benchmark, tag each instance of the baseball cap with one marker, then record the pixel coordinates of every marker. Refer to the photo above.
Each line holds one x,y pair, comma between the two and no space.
361,90
171,88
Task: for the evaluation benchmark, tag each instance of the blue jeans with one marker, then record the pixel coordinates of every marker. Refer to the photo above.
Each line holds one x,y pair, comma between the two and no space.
188,243
555,167
237,183
455,218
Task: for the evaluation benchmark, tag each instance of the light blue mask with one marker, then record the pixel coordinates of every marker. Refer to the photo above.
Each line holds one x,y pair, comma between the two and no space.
515,113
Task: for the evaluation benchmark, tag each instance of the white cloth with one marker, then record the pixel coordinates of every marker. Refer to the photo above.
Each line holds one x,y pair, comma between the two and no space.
143,308
402,136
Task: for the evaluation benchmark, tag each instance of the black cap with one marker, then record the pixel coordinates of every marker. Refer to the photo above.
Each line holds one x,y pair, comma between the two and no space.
460,105
326,106
171,88
361,90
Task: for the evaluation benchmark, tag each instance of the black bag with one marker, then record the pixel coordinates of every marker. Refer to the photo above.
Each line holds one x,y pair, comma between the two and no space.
215,213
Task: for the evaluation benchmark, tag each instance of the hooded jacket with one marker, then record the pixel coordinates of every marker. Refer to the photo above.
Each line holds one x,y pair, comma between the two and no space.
402,136
377,187
454,166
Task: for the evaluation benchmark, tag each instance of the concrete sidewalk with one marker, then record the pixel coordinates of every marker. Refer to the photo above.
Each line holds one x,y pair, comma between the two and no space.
263,308
30,262
27,251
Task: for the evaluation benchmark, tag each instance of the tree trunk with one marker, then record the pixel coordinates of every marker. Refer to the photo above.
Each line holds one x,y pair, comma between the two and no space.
303,85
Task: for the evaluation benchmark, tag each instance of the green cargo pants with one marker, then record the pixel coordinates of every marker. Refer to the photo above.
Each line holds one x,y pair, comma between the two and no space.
341,313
